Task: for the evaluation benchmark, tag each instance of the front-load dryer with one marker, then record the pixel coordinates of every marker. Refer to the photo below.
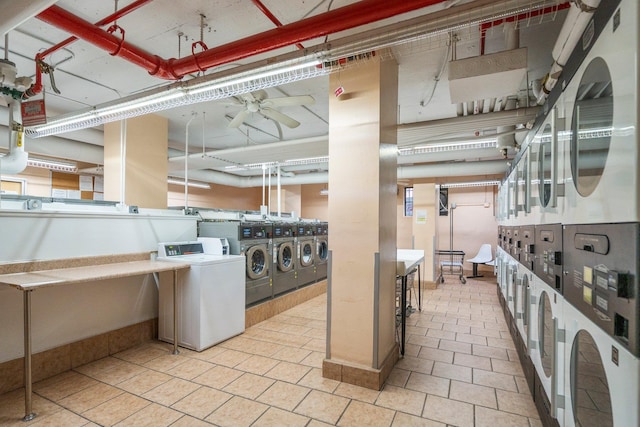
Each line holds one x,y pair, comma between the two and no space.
547,350
305,263
322,250
602,163
256,246
284,258
601,377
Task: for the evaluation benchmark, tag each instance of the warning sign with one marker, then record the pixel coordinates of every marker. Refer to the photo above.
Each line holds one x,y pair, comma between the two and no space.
33,113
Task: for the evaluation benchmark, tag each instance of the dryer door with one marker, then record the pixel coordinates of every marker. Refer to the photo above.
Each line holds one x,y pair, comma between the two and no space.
322,250
306,253
285,257
257,262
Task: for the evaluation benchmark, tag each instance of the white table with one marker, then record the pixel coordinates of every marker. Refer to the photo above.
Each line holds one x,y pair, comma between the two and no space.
28,282
408,261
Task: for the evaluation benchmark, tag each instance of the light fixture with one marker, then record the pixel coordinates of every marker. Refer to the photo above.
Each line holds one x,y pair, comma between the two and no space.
189,183
469,184
439,148
55,165
267,165
197,90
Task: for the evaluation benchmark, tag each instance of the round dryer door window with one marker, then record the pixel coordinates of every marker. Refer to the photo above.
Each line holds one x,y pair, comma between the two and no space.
306,254
285,257
546,333
257,262
590,395
591,127
323,250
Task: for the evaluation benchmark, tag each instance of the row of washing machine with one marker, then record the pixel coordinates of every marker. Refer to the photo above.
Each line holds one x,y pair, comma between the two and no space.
568,254
281,256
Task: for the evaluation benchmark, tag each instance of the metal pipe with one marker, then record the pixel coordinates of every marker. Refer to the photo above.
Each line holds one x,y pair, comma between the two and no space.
123,159
279,190
272,17
175,309
28,413
344,18
186,159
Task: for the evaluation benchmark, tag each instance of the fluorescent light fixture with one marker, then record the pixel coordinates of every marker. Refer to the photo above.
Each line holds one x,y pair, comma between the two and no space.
470,184
55,165
439,148
189,183
267,165
201,89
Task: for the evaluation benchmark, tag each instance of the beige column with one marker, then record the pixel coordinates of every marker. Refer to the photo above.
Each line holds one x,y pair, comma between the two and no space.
139,145
425,211
361,346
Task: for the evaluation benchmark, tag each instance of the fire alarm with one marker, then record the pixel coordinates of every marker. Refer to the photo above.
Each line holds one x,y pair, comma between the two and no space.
339,91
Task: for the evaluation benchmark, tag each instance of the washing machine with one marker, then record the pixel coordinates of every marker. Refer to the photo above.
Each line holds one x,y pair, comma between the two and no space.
602,158
284,258
548,259
253,240
322,250
305,262
546,349
211,296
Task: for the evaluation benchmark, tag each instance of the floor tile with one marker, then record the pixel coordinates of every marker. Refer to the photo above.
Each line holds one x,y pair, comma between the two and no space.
494,379
187,421
398,377
237,412
428,384
153,415
453,372
472,361
426,341
289,372
507,367
218,377
322,406
275,417
406,420
141,354
90,397
142,383
230,358
448,411
292,354
455,346
170,392
284,395
115,410
492,352
12,408
473,393
358,393
63,385
315,380
190,369
486,417
516,403
202,402
313,360
249,385
415,364
364,414
59,418
401,399
257,364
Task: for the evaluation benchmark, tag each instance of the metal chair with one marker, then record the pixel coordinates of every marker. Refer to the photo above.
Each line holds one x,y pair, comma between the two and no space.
484,256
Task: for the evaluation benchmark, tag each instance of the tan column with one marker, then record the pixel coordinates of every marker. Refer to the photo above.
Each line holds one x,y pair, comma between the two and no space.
361,347
142,142
425,211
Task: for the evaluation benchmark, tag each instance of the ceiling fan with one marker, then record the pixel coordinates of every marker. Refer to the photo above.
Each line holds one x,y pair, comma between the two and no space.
259,102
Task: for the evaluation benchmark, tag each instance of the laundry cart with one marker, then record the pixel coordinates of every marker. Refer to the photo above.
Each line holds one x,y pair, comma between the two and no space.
449,262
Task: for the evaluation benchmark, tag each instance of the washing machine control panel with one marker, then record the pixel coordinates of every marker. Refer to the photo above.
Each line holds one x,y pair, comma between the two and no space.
305,230
179,249
548,261
254,231
283,230
601,264
526,251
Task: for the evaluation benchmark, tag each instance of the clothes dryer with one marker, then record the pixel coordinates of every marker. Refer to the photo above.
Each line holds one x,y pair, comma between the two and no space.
284,258
322,250
305,263
548,259
547,350
602,158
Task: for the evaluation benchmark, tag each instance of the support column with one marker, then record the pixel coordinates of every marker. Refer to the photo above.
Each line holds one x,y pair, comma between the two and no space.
361,346
425,212
135,161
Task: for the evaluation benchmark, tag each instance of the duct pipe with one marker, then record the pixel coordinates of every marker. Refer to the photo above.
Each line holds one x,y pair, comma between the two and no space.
506,140
344,18
404,172
186,161
16,160
574,25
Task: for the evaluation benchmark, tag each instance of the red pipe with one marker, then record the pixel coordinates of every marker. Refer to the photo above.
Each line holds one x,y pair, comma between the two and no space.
356,14
538,12
104,21
272,17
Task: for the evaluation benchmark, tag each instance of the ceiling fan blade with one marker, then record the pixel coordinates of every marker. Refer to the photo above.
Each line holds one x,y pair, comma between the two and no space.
279,117
239,119
289,101
260,95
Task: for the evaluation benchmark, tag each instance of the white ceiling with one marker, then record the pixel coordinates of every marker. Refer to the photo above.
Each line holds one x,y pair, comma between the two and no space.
87,76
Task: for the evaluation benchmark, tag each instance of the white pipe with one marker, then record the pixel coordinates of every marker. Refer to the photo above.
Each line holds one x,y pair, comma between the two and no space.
460,109
16,160
264,178
123,159
279,188
269,198
470,108
492,105
186,160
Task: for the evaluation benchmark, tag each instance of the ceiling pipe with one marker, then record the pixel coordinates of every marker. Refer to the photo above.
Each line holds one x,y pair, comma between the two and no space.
491,167
344,18
271,17
37,87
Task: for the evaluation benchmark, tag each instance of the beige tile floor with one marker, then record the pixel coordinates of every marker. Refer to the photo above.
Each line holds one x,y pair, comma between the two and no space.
460,369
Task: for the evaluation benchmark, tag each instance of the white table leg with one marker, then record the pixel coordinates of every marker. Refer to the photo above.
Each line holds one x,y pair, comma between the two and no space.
28,413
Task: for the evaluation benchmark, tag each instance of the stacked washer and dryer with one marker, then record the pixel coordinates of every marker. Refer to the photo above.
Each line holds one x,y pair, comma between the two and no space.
568,253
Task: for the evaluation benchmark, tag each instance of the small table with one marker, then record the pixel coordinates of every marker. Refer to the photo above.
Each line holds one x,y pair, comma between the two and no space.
408,260
30,281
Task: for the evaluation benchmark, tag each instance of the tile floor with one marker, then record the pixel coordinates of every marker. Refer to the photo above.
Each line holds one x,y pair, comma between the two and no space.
460,369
